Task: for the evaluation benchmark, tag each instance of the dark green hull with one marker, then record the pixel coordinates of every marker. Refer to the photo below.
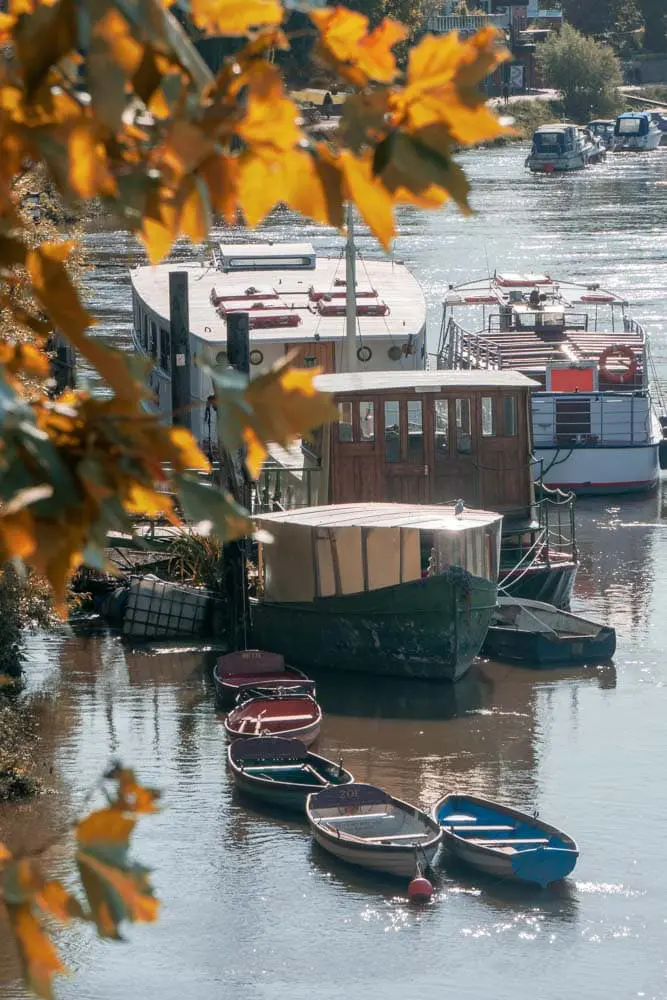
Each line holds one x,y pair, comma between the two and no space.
431,628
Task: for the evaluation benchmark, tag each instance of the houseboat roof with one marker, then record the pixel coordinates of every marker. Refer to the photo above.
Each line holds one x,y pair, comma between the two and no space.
503,287
423,381
290,292
384,515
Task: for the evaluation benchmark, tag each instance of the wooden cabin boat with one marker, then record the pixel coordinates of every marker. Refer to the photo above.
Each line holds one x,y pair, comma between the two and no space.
296,300
636,131
503,842
564,147
291,715
255,668
282,772
595,428
388,589
365,826
541,635
434,437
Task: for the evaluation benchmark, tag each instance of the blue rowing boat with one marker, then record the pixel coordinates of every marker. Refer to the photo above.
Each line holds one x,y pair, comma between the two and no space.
504,842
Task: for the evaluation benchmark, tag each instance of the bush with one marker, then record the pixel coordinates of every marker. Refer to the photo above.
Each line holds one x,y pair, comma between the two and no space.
586,73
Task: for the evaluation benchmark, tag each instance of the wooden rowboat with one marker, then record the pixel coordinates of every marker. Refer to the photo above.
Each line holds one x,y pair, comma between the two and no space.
281,772
541,635
365,826
253,667
504,842
292,715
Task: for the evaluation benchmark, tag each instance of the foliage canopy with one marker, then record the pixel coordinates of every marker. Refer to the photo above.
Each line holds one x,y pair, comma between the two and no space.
587,74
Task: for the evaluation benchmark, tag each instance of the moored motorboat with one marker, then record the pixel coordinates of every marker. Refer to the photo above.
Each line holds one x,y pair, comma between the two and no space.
365,826
282,772
636,131
258,668
503,842
541,635
563,147
287,714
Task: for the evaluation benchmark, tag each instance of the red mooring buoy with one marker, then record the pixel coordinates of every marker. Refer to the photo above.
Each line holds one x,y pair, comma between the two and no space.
420,890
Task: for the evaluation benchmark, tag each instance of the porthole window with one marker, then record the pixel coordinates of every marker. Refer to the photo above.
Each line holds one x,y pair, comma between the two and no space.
256,357
364,353
394,353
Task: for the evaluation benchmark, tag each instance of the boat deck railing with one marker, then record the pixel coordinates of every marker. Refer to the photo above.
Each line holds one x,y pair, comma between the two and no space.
618,418
462,349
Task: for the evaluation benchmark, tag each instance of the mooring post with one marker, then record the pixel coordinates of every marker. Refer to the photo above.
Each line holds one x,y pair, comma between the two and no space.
238,341
179,321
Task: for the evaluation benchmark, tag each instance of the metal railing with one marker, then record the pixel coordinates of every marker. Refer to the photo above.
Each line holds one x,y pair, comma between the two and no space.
597,419
462,349
465,24
281,487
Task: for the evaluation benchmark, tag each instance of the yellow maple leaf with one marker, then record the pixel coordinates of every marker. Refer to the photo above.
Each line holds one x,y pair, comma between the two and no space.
186,452
159,224
235,17
372,198
194,216
133,797
147,501
220,174
39,959
5,854
53,899
89,173
357,54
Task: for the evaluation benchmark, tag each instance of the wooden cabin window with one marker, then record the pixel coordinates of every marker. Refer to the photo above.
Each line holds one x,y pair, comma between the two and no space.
345,428
165,350
153,343
441,428
463,427
415,432
488,417
510,424
392,431
366,421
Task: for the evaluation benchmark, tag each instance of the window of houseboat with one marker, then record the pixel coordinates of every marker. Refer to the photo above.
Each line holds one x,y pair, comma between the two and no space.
345,430
488,417
441,427
392,431
144,331
165,350
510,428
366,421
154,341
463,427
415,433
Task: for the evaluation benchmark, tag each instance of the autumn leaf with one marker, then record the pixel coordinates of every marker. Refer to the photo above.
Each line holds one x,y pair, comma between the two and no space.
370,195
146,501
54,901
89,173
116,889
40,961
235,17
5,853
356,54
132,797
186,453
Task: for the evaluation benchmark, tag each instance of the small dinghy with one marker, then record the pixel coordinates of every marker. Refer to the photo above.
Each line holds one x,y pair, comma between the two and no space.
541,635
254,667
503,842
291,714
282,772
365,826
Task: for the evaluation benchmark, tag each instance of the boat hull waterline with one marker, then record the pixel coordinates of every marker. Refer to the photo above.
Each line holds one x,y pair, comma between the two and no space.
254,668
504,843
366,827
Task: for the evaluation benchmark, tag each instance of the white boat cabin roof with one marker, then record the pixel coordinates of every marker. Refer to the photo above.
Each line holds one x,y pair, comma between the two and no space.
384,515
290,284
423,381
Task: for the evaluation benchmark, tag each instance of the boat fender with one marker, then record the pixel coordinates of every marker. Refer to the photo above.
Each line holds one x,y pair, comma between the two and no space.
420,890
618,351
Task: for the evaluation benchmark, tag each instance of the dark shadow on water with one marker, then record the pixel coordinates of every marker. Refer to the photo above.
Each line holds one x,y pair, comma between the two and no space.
496,673
354,695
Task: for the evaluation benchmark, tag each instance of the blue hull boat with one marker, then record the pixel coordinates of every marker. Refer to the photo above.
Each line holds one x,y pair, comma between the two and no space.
503,842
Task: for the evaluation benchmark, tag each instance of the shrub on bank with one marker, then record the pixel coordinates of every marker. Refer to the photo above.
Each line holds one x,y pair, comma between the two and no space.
586,73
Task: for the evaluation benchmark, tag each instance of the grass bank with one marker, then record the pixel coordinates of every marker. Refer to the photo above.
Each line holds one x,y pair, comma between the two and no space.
17,740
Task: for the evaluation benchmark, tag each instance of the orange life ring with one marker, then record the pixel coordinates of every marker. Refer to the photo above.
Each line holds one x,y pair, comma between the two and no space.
619,351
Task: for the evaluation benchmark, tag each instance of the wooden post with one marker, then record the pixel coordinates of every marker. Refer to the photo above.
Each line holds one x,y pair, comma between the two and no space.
63,364
179,320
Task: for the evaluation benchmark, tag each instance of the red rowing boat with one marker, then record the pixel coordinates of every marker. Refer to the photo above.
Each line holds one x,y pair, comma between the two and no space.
255,668
294,716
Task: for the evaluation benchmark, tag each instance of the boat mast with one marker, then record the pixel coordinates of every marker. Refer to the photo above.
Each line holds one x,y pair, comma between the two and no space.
350,354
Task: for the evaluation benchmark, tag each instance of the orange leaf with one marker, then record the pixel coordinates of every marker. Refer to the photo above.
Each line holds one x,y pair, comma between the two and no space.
105,825
17,536
159,224
143,500
358,55
55,901
371,197
39,959
5,854
133,797
220,174
188,455
235,17
88,168
255,452
194,218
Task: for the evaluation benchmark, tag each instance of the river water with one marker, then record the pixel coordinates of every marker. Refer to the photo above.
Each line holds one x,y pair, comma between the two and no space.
251,910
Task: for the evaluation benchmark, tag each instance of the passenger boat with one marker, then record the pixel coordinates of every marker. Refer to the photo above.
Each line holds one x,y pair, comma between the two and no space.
563,147
388,589
291,715
541,635
504,842
603,129
255,668
365,826
296,300
282,772
595,428
636,131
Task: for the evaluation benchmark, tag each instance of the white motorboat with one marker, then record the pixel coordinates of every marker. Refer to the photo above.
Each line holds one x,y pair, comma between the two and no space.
564,147
637,131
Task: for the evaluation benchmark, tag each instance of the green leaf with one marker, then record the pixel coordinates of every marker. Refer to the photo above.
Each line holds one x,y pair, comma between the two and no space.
202,503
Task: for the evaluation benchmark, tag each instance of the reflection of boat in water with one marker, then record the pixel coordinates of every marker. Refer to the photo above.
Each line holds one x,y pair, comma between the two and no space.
501,674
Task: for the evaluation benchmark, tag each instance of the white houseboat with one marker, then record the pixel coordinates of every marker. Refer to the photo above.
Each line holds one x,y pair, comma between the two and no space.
564,147
636,130
594,422
295,300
